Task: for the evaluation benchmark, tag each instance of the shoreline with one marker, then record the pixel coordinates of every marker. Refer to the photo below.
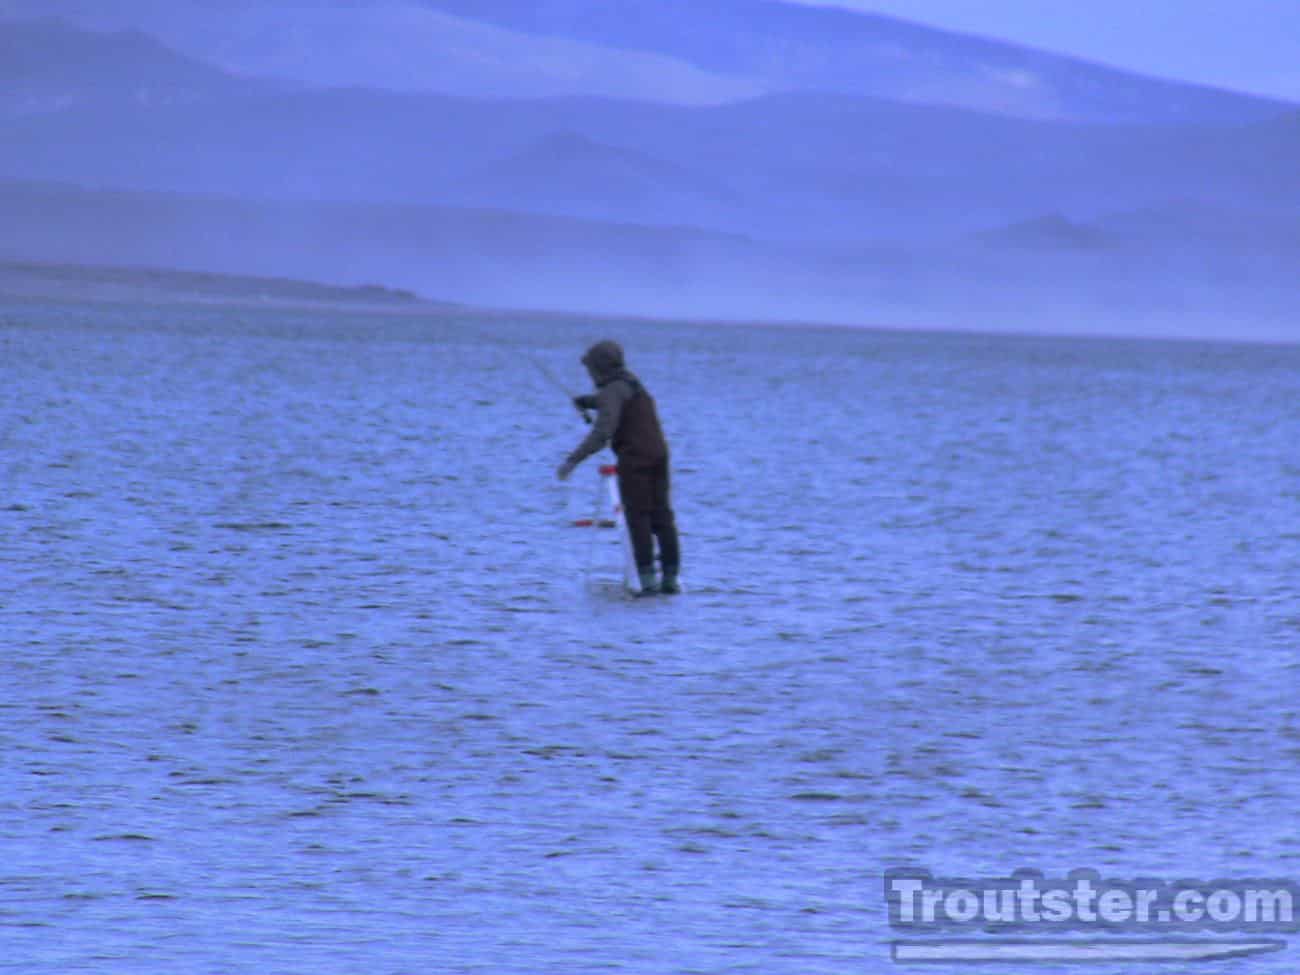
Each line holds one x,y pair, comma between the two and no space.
37,281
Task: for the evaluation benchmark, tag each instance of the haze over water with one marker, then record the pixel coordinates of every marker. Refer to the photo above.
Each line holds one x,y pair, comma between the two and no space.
307,671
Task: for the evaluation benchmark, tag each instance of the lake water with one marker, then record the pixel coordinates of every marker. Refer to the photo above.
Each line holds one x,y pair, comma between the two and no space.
305,669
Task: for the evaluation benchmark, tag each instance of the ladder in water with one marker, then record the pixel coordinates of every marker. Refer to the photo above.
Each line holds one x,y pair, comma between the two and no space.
608,514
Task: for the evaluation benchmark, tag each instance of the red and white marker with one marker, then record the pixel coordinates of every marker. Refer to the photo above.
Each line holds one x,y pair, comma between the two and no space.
609,514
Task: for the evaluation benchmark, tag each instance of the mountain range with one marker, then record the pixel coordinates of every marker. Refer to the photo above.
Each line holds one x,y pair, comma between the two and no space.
674,51
804,163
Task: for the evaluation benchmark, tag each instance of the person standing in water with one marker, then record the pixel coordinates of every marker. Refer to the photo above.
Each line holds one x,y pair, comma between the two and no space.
626,418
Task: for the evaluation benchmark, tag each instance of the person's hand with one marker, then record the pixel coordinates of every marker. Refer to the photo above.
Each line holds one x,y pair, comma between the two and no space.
564,470
585,402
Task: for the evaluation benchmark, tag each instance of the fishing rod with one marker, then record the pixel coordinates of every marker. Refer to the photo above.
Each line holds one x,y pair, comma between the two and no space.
550,377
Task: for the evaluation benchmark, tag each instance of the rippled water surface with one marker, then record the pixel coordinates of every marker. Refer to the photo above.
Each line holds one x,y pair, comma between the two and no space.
306,671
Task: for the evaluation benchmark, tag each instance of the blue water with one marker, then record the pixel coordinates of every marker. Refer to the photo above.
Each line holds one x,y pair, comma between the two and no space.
306,671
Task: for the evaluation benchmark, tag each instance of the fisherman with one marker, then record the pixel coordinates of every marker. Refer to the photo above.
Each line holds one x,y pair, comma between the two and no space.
626,416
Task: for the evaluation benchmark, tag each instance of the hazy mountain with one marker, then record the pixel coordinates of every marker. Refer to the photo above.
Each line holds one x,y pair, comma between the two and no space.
480,256
404,47
1176,267
47,66
798,168
507,259
790,47
801,205
566,172
1183,226
1051,232
680,51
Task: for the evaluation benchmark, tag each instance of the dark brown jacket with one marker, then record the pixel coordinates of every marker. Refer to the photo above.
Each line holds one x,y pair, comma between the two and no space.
626,416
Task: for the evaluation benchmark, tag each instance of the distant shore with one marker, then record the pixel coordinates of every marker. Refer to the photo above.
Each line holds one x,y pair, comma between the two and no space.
77,282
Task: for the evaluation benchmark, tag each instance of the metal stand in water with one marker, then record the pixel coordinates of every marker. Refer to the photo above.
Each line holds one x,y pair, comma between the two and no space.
608,514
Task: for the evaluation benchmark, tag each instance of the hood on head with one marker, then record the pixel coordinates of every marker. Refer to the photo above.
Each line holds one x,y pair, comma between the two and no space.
604,361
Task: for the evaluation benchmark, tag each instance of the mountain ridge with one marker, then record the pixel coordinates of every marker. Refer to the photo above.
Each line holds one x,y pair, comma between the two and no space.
791,46
812,205
795,167
47,65
671,51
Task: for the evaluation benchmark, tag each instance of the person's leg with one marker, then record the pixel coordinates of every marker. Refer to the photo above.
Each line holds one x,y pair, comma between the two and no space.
664,525
636,491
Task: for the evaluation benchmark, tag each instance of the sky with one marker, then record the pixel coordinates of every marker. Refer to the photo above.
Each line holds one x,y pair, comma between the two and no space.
1246,45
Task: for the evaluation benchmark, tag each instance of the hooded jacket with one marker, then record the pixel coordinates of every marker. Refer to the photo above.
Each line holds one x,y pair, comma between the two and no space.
626,416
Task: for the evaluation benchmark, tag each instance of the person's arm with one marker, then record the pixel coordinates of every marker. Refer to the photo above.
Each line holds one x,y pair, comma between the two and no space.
609,409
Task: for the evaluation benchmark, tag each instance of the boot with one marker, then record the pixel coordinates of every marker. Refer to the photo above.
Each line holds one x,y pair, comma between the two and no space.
669,584
649,585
